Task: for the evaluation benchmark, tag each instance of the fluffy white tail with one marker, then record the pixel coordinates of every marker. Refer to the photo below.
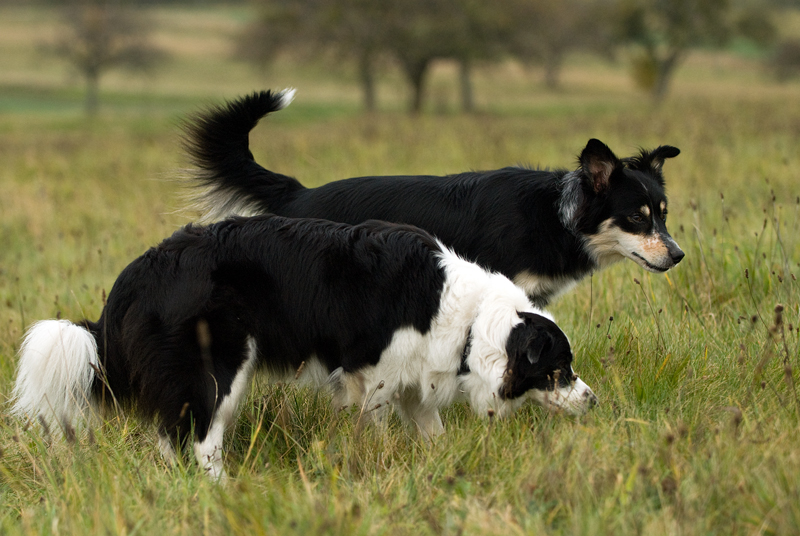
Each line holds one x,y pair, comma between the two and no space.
57,363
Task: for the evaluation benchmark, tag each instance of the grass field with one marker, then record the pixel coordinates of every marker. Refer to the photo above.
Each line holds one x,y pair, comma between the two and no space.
697,430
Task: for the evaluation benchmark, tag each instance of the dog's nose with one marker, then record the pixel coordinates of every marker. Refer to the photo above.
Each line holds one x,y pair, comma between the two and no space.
591,399
674,250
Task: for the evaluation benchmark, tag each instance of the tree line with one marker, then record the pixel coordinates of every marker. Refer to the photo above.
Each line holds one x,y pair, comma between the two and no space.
413,34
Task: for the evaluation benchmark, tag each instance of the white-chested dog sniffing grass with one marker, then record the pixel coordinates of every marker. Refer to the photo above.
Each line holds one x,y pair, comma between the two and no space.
382,313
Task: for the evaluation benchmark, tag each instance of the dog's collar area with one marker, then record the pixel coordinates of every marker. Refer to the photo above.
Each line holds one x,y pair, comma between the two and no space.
464,368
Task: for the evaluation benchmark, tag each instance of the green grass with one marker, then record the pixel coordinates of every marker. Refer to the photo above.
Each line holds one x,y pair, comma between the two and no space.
697,428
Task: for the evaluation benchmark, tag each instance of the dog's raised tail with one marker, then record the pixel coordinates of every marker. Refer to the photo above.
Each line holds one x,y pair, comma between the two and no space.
58,363
228,177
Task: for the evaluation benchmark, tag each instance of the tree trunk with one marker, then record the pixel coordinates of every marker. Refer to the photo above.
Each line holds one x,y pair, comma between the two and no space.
367,74
416,71
552,70
92,91
467,100
666,68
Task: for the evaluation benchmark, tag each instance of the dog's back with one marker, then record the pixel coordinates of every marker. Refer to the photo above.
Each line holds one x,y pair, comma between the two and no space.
294,285
543,229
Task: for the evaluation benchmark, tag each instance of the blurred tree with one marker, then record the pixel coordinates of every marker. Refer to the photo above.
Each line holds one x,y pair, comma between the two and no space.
280,25
421,31
666,30
545,31
355,30
350,29
414,32
785,62
100,35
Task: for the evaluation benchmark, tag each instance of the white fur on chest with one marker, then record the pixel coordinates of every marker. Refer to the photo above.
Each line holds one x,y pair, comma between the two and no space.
418,372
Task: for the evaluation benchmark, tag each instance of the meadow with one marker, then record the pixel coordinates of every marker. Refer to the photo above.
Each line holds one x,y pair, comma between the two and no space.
696,370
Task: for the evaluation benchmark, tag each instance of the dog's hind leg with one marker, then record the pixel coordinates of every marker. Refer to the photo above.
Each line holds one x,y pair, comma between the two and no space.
209,451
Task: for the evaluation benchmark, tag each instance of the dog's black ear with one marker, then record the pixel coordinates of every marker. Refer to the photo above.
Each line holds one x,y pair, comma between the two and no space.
653,160
533,355
598,163
662,152
539,344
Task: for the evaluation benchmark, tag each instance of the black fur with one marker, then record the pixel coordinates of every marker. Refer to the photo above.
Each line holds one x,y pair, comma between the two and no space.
297,287
513,220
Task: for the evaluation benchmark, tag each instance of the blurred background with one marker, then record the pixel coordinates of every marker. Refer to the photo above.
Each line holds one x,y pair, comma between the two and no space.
420,56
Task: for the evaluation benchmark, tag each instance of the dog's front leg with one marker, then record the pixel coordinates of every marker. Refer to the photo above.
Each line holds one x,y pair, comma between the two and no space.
209,452
423,415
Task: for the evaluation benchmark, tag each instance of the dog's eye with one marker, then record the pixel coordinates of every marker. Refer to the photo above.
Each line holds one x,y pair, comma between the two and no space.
636,218
664,216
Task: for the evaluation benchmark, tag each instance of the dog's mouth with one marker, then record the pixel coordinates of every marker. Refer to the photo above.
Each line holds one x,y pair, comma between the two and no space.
575,399
644,263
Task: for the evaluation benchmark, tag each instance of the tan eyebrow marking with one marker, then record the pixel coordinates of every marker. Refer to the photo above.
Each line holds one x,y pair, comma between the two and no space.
645,210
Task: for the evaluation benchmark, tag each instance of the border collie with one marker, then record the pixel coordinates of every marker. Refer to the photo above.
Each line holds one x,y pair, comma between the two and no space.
382,313
545,230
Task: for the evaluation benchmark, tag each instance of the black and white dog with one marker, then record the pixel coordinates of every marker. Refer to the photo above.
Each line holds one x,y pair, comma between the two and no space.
382,313
545,230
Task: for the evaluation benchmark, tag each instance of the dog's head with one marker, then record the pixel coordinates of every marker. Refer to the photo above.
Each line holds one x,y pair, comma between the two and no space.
623,207
540,367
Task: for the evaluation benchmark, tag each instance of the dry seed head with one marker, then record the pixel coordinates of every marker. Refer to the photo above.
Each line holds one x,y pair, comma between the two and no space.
69,433
299,370
737,415
45,426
